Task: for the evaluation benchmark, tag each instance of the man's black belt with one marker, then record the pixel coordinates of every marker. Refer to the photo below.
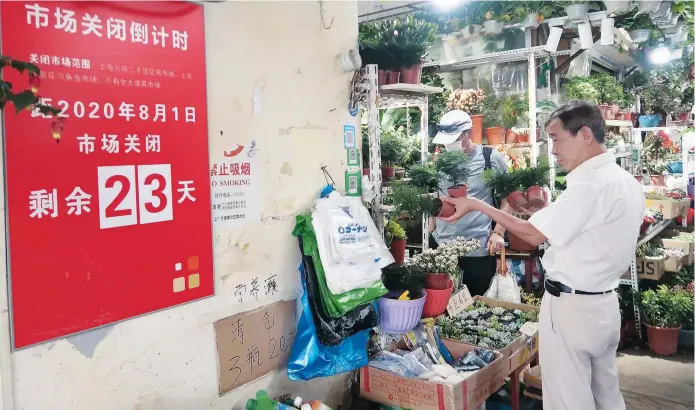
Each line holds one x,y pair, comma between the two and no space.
555,288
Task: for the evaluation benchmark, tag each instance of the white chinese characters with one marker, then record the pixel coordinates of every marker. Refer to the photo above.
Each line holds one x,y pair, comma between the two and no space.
127,111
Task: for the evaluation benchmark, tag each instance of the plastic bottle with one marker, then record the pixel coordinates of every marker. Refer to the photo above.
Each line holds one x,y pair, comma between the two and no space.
315,405
263,402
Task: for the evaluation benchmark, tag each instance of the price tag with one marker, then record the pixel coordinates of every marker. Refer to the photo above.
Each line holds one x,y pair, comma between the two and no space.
459,302
530,329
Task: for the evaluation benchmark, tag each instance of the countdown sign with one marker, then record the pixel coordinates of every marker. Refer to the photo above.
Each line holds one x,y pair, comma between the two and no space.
115,220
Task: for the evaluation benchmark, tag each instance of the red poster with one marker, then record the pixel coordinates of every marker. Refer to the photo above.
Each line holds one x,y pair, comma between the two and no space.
114,221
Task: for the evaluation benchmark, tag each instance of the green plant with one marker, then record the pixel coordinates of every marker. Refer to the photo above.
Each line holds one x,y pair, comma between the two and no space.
424,176
404,277
582,88
392,147
665,307
492,110
411,202
436,103
610,91
514,111
650,250
683,277
532,176
626,302
502,183
453,165
395,231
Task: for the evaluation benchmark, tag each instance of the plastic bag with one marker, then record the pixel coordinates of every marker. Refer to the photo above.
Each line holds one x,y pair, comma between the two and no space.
332,331
503,285
310,359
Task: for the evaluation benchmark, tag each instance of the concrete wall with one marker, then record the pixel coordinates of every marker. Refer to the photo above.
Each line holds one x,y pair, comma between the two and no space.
168,360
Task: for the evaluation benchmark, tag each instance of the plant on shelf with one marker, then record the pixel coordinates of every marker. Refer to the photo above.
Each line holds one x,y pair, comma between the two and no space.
664,311
514,112
492,110
655,151
392,152
502,184
395,237
452,165
582,88
650,250
424,176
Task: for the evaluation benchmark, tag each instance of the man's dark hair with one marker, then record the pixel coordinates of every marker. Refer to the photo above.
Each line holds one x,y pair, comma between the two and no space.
577,114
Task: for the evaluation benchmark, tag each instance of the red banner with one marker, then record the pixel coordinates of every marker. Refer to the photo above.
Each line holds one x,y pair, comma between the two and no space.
115,220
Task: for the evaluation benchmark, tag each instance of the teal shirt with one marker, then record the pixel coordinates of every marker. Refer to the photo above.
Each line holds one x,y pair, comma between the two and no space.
475,225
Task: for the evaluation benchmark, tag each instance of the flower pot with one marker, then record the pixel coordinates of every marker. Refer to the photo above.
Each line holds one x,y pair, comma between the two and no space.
610,115
445,209
398,250
616,6
400,316
493,27
381,77
495,135
613,108
411,75
477,128
685,338
640,35
400,173
387,173
517,200
393,77
663,341
577,12
531,20
603,108
518,244
511,137
365,171
657,180
460,191
437,300
685,116
437,281
534,196
523,138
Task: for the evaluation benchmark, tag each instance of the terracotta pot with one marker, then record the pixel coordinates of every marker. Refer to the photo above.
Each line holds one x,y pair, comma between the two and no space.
523,138
610,115
446,209
495,135
663,341
517,200
398,250
393,77
437,300
534,196
460,191
411,75
477,128
381,77
657,180
684,116
518,244
400,173
387,173
614,108
511,137
365,171
603,108
437,281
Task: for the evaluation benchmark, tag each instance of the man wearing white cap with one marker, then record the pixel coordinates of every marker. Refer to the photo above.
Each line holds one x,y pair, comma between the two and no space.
455,133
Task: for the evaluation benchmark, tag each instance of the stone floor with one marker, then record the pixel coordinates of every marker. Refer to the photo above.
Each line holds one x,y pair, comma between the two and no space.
656,383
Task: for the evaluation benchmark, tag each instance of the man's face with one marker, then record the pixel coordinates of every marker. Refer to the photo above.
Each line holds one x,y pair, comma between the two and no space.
569,150
465,140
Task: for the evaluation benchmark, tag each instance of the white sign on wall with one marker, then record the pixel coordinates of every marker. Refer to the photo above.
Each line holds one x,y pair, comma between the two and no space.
236,187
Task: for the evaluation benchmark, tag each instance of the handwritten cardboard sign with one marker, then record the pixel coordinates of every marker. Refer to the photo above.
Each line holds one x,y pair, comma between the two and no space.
458,302
253,344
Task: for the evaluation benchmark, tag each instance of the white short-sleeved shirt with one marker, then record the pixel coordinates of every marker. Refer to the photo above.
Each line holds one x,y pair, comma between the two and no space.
593,226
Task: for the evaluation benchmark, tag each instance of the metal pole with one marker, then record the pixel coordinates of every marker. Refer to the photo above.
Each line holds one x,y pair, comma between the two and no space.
374,145
532,106
424,149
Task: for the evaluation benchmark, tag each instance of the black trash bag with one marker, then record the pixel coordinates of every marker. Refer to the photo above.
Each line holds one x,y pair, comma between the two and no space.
332,331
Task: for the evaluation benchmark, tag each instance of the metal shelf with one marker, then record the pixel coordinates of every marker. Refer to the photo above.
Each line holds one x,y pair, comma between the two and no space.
619,123
655,230
409,89
509,56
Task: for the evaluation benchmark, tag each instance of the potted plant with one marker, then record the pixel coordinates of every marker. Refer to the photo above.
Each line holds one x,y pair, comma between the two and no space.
582,88
664,311
497,14
532,181
442,269
470,101
514,112
400,309
654,156
424,176
392,151
686,336
412,202
506,186
453,166
578,10
407,41
492,106
395,235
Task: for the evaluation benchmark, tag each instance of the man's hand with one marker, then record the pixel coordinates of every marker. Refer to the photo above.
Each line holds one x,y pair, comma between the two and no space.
463,207
495,243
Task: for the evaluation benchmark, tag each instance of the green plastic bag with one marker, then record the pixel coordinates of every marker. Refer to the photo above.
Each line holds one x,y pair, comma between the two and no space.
335,305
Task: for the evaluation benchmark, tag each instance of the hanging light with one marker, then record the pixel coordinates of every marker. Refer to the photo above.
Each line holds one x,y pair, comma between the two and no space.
660,55
446,4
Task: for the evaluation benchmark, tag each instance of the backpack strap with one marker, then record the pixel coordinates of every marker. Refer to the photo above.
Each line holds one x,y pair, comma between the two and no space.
487,153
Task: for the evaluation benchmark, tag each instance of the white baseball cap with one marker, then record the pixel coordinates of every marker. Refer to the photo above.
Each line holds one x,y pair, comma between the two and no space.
451,126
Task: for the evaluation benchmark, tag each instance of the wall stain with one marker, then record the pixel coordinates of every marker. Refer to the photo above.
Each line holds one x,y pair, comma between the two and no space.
286,169
306,126
87,342
225,278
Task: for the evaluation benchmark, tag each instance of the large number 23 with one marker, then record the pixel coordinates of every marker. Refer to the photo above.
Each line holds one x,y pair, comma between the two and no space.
119,205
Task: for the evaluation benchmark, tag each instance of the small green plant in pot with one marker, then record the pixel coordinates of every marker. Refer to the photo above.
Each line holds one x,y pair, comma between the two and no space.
532,181
396,236
664,311
453,166
424,176
411,202
392,152
507,186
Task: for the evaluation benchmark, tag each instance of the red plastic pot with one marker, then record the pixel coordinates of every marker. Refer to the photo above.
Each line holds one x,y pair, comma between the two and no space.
523,138
447,209
392,77
387,172
663,341
495,135
517,200
477,128
398,250
518,244
437,300
411,75
534,196
437,281
460,191
381,77
684,116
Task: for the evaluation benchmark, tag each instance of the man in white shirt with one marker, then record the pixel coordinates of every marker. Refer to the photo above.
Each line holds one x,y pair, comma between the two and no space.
592,228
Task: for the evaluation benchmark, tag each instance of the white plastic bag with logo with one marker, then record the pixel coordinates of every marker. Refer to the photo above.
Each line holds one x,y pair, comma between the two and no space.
352,251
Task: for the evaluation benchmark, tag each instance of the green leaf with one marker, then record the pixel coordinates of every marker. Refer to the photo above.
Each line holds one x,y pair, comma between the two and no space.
23,100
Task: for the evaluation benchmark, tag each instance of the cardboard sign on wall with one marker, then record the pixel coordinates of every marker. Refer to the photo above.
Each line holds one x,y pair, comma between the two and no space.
253,344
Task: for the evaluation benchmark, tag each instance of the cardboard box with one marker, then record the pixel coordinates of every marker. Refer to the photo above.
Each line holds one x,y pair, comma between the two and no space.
390,389
673,263
652,269
522,347
669,208
667,241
